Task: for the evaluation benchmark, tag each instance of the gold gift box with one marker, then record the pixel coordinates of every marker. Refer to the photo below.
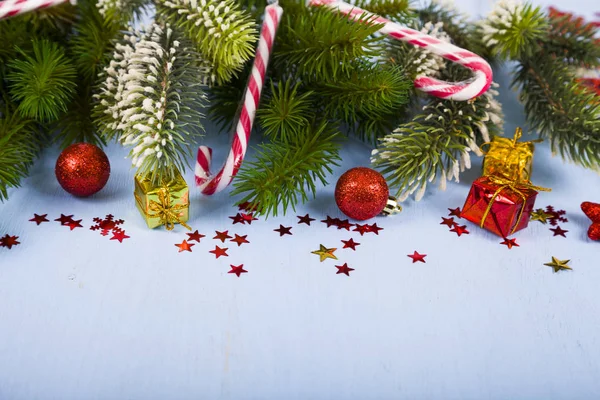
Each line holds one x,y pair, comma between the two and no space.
509,159
165,204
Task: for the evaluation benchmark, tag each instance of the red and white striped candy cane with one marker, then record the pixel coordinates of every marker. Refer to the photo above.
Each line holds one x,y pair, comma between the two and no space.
461,91
213,184
11,8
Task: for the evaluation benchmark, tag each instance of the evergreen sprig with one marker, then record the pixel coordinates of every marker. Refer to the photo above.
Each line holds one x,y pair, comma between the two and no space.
396,10
573,39
285,173
42,83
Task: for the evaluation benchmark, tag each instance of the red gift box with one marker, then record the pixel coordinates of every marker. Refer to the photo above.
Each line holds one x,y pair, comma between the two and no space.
499,205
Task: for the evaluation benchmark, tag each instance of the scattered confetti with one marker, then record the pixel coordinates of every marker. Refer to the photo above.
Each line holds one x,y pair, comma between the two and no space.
38,219
106,225
249,218
558,231
238,219
416,257
510,243
247,206
305,220
64,219
195,236
218,252
558,265
454,212
325,253
448,222
9,241
375,229
185,246
283,230
540,215
460,229
362,229
345,224
74,224
237,269
344,269
120,235
350,244
239,239
331,221
222,236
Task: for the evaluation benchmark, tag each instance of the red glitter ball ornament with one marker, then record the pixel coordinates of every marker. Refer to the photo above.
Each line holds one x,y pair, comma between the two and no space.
82,169
361,193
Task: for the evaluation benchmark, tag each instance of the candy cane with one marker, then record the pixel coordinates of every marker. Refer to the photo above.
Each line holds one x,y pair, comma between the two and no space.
461,91
213,184
11,8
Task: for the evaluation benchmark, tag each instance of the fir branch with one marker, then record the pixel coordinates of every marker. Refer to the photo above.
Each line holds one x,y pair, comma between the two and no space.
77,124
121,12
572,39
223,33
287,112
288,172
224,100
42,83
395,10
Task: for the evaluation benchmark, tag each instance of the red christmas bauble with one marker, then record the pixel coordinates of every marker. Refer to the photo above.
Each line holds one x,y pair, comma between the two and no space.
361,193
82,169
592,210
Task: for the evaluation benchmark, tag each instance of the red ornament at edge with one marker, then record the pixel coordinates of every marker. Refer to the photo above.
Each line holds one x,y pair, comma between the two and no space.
82,169
592,210
361,193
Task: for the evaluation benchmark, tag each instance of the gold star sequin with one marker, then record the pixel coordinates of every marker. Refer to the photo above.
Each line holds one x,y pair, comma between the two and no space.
540,215
325,253
558,265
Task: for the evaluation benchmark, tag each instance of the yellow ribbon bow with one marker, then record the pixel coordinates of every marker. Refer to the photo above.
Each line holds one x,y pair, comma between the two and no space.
167,212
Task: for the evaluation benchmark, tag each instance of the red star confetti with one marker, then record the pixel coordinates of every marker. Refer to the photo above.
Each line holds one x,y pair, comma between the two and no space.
350,244
185,246
454,212
331,221
222,236
362,229
119,235
305,220
38,219
74,224
344,269
237,269
247,206
195,236
283,230
510,243
64,219
9,241
460,229
448,222
558,231
416,257
375,229
106,225
249,218
239,239
218,252
345,224
238,219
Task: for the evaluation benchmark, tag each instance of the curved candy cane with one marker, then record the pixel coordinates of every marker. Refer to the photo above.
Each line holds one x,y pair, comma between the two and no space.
213,184
11,8
460,91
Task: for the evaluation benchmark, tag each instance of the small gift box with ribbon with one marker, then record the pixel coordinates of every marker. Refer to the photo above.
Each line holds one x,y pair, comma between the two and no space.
509,158
500,205
164,204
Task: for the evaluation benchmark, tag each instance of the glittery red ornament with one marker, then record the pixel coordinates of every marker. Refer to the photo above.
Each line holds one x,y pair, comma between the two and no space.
82,169
592,210
361,193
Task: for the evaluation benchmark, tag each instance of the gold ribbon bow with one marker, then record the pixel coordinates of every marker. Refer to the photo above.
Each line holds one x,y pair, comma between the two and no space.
167,212
515,142
517,187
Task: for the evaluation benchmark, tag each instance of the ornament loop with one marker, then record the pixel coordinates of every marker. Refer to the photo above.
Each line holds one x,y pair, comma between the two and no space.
392,207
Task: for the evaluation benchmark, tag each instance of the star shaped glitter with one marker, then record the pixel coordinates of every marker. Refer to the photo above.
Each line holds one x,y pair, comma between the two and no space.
185,246
64,219
283,230
345,224
218,252
120,236
9,241
237,269
510,243
325,253
247,206
38,219
449,222
239,239
344,269
331,221
238,219
558,231
375,229
454,212
74,224
222,236
558,265
362,229
305,220
416,257
350,244
540,215
195,236
249,218
460,229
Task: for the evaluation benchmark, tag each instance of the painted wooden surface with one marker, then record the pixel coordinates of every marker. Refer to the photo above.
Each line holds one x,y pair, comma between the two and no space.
83,317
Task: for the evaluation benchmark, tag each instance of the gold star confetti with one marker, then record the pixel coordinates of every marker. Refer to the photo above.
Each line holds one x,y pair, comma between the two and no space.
558,265
540,215
325,253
